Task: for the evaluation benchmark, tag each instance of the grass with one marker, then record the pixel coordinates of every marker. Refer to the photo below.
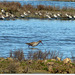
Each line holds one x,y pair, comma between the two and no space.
35,67
12,65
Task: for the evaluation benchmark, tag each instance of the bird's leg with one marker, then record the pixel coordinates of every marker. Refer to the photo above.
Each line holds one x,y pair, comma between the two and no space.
28,46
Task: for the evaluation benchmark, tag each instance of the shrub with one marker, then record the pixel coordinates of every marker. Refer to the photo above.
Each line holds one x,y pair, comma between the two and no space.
43,55
13,67
19,55
29,7
40,7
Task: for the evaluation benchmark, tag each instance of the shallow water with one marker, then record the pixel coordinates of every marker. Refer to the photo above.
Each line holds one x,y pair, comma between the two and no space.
55,34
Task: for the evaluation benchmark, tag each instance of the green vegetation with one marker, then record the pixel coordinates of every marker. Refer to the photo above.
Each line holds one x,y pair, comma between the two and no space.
10,65
17,63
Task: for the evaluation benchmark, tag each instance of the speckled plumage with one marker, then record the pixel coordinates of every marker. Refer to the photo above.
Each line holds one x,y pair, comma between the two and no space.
34,43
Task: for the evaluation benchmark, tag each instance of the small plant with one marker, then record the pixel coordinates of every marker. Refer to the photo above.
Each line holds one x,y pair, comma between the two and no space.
43,55
46,68
19,55
40,7
72,57
13,67
30,54
11,54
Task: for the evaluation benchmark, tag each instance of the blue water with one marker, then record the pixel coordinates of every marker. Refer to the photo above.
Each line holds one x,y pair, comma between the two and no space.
55,34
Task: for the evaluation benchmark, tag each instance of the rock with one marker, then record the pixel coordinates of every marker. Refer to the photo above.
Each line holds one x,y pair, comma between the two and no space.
39,61
67,60
71,65
53,59
59,59
2,59
9,59
45,61
50,63
50,68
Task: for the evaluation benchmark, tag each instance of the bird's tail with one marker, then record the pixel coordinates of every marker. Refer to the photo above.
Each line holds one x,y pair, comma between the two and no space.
26,43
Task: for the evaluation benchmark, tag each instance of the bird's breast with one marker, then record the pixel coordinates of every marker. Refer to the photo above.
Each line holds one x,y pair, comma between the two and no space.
36,43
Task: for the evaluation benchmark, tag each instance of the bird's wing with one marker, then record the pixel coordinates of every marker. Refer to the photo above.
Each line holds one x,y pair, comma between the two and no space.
29,44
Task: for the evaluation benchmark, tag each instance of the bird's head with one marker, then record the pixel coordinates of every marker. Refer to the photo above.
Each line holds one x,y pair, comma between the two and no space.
40,41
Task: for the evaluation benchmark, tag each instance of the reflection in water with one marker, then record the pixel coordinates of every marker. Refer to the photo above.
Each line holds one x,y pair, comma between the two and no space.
34,48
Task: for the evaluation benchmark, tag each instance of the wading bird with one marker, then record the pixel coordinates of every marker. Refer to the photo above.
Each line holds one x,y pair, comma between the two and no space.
34,43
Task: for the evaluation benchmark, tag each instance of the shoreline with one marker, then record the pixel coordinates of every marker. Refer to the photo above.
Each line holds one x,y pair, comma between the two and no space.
14,10
27,18
48,66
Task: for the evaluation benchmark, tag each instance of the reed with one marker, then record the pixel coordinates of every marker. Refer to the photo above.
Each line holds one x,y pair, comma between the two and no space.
18,55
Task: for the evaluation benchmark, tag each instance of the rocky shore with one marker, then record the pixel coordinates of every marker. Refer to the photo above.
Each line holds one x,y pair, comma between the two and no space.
10,65
37,62
14,10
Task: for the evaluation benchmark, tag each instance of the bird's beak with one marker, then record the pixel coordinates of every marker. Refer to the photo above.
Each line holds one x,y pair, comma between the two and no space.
41,42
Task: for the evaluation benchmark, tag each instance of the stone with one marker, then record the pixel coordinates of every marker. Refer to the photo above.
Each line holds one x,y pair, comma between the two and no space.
67,60
39,61
50,68
45,61
50,63
2,59
9,59
59,59
53,59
